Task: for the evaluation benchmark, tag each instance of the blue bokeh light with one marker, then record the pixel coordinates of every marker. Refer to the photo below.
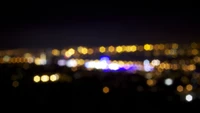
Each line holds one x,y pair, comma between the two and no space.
104,58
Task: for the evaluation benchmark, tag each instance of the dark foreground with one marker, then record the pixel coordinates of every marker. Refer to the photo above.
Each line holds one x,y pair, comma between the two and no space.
85,93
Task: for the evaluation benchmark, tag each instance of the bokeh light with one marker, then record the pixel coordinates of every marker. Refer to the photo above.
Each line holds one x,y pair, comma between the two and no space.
44,78
36,78
106,90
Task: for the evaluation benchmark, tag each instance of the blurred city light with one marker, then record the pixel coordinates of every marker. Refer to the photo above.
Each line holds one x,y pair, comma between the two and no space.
189,87
179,88
154,62
54,77
106,90
36,78
44,78
61,62
168,81
188,97
71,63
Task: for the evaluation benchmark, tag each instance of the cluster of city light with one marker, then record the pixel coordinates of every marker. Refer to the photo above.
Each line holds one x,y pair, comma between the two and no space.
173,49
73,60
157,49
46,78
27,58
167,49
145,65
41,60
106,64
168,66
8,59
161,66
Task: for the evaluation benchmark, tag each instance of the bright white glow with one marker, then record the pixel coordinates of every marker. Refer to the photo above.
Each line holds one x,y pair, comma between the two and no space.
188,98
113,66
147,66
168,81
146,62
61,62
90,64
101,65
155,62
71,63
96,65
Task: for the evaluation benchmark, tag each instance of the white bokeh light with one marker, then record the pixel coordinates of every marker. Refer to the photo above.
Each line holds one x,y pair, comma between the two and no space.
71,63
90,64
168,81
113,66
189,98
155,62
101,65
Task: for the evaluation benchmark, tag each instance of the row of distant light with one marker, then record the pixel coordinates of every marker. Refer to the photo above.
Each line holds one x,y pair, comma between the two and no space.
105,64
99,64
119,49
26,59
112,48
46,78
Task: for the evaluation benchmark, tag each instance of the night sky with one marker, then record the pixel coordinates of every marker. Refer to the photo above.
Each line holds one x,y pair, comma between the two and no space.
61,25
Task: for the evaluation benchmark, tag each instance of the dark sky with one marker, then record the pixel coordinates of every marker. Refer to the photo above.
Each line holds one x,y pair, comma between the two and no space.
42,25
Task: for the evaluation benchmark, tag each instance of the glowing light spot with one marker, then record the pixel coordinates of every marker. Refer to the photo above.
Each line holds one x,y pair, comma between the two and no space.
119,49
148,47
179,88
168,81
150,82
155,62
55,52
54,77
188,98
61,62
36,78
113,66
106,90
111,49
44,78
6,58
90,64
71,63
189,87
102,49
